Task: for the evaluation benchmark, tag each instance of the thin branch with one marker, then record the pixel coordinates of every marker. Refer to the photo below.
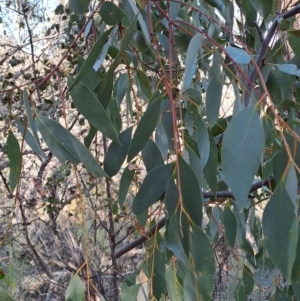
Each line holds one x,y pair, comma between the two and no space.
221,194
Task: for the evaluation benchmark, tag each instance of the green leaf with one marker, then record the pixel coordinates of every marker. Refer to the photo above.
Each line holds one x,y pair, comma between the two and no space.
30,119
202,140
15,160
238,55
289,69
116,154
104,89
67,147
122,86
192,196
171,197
110,13
213,100
242,152
295,44
230,225
174,288
145,128
79,7
173,241
195,46
75,290
129,293
248,280
189,287
4,296
30,139
93,55
210,169
204,262
280,227
125,181
152,188
263,7
158,279
89,106
144,83
123,45
90,136
151,155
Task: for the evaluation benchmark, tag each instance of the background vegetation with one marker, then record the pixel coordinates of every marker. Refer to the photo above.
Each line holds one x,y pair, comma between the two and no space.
150,150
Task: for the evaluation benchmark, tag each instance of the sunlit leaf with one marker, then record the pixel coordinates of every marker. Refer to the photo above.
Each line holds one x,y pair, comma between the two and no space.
238,55
195,46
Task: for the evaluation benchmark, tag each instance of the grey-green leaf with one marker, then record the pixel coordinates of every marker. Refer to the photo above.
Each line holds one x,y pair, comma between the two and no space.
230,225
280,227
145,128
202,140
126,179
75,290
192,196
238,55
67,147
15,160
242,151
151,155
79,7
116,153
213,100
88,105
152,188
110,13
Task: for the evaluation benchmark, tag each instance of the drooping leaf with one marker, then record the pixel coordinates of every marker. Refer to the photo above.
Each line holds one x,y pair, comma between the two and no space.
104,89
195,46
174,288
30,139
192,196
15,160
171,197
129,293
151,155
230,226
75,290
204,262
173,241
4,296
280,227
242,152
117,153
79,7
210,169
248,280
90,136
202,141
152,188
93,55
264,7
30,119
213,100
126,179
88,105
145,128
189,287
158,279
67,147
111,13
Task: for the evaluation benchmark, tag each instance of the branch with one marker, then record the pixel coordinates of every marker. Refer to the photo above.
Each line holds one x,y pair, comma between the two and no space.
262,50
220,194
